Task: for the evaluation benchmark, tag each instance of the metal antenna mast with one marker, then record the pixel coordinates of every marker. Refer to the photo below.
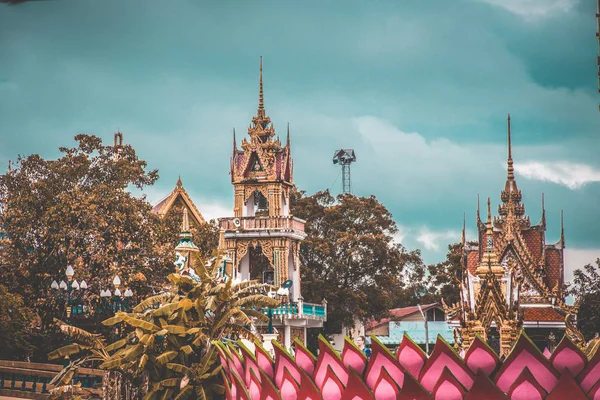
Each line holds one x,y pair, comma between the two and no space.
345,157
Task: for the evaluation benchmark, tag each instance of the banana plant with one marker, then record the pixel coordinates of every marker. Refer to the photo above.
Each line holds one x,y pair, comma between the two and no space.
169,348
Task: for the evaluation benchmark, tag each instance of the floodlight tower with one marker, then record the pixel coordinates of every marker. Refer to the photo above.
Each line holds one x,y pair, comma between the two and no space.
345,157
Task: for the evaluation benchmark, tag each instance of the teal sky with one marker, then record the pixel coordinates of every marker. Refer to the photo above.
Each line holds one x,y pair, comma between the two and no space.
420,90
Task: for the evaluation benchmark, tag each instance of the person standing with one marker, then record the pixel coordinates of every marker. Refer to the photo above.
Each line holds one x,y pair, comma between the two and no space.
360,342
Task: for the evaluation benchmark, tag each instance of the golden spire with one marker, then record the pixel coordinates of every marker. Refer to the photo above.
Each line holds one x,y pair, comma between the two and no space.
179,183
511,169
489,215
261,97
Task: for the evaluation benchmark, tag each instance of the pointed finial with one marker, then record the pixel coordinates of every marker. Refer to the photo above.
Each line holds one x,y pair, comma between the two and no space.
261,99
511,170
463,240
185,223
478,213
234,142
9,165
543,220
562,230
288,135
179,183
489,215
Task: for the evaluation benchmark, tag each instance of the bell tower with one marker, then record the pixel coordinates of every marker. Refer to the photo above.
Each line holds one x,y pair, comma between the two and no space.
262,240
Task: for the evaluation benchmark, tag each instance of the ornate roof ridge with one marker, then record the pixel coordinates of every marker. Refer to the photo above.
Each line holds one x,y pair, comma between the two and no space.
162,207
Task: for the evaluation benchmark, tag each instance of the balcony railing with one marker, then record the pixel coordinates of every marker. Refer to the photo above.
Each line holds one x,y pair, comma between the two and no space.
300,308
258,223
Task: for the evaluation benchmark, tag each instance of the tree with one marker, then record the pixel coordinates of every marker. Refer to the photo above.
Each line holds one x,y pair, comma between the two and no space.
15,326
586,289
445,276
78,210
170,349
350,257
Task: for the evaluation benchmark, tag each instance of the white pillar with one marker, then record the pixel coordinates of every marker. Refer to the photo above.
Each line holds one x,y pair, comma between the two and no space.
245,267
287,336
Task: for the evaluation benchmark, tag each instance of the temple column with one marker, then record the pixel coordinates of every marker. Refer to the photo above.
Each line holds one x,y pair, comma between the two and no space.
238,201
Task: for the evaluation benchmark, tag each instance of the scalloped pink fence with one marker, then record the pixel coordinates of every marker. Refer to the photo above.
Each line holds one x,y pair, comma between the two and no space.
410,374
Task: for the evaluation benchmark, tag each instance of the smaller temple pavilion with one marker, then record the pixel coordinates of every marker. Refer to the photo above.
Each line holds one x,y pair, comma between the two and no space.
262,239
512,278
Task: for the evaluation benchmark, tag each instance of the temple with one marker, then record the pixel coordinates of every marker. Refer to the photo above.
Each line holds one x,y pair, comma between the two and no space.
262,239
511,278
179,199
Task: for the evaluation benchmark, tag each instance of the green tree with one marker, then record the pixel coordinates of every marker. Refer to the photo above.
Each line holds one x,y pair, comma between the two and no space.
15,326
586,289
79,210
445,276
350,257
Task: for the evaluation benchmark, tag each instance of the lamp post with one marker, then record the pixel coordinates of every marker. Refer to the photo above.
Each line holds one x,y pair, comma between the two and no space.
426,329
116,301
70,293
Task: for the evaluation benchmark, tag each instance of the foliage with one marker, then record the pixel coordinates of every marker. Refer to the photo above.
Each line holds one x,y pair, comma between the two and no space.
350,257
205,236
15,326
586,288
168,347
78,210
445,276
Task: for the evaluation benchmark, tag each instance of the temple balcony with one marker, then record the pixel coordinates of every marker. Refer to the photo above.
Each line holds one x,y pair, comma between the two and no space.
299,310
262,226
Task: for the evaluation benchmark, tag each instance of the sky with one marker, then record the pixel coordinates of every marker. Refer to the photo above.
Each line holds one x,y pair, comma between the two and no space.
419,89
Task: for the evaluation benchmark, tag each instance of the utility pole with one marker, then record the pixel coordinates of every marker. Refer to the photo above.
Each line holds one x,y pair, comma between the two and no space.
426,329
345,157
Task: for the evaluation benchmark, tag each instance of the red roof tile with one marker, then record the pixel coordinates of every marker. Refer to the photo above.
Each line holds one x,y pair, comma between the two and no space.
553,269
546,314
472,260
534,242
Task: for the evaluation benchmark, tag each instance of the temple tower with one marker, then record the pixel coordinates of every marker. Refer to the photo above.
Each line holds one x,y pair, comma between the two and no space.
511,279
262,240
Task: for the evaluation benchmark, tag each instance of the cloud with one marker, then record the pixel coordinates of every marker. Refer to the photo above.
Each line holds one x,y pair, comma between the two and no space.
432,240
571,175
577,259
214,210
534,8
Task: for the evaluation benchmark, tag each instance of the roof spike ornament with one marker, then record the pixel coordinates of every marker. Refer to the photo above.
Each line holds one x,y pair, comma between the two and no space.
562,230
287,142
234,141
543,221
511,169
463,241
261,127
179,184
489,215
511,195
261,97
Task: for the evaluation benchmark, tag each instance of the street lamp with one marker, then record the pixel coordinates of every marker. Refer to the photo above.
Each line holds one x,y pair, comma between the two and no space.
426,329
116,301
70,293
